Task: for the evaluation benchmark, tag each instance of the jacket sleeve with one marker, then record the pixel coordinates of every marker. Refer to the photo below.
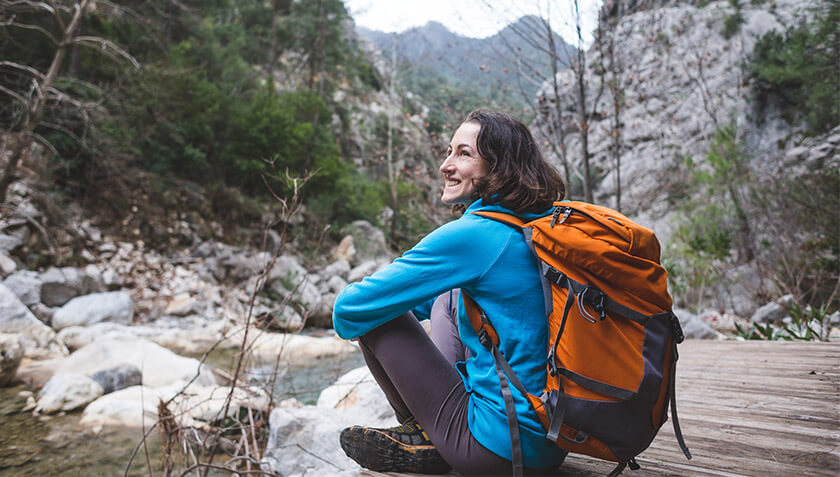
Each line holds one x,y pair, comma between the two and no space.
455,255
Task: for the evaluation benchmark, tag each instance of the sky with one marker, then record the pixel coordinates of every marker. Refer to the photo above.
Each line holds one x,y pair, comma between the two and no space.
472,18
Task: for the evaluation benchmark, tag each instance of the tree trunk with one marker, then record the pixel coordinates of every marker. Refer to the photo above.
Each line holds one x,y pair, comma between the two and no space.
36,108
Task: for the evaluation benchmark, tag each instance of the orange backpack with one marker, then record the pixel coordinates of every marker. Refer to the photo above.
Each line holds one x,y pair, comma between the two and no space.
612,353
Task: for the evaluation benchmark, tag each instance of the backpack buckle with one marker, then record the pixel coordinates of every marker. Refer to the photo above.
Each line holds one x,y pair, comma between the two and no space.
553,275
676,329
484,338
595,298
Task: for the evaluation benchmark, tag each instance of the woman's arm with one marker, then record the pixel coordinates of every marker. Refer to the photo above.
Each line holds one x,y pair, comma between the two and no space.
455,255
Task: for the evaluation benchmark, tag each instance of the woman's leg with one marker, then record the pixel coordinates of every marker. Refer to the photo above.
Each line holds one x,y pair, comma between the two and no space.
421,382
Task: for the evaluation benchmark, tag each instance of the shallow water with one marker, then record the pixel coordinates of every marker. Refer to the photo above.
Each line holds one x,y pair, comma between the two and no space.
56,445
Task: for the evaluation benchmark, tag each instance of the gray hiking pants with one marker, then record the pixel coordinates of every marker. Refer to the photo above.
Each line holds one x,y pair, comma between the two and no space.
418,375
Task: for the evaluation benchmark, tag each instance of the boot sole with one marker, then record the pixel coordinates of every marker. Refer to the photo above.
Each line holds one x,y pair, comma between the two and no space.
380,452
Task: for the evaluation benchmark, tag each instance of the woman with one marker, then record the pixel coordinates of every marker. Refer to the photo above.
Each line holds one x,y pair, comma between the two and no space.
451,408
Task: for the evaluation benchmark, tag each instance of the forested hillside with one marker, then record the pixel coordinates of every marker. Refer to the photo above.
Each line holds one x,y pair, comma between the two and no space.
150,107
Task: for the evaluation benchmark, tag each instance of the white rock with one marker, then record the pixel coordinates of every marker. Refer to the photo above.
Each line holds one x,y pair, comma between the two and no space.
357,392
336,284
11,352
117,307
362,270
340,268
26,285
297,348
299,434
137,406
39,340
7,265
59,285
184,304
693,327
160,367
65,392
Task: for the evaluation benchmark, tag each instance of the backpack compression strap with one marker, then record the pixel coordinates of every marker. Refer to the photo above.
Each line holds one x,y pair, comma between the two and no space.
490,340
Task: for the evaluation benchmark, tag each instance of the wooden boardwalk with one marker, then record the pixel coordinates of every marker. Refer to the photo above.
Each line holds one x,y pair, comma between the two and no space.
746,408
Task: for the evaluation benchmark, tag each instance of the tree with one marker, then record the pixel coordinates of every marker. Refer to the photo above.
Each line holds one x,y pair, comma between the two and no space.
38,94
612,69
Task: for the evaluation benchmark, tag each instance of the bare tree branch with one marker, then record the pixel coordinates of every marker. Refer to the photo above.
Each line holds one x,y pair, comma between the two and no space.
107,47
12,23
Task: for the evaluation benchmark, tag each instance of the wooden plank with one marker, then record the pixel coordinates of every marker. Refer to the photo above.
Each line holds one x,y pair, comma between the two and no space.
746,409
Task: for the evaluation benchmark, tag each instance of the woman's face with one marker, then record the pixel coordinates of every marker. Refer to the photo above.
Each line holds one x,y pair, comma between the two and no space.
462,165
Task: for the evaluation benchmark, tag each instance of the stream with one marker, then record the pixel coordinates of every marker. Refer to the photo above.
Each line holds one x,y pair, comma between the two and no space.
56,446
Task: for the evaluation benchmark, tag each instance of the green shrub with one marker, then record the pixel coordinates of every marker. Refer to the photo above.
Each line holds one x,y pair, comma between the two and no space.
801,67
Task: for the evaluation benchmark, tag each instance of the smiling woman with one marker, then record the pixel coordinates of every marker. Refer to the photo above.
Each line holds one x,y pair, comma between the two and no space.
463,165
451,408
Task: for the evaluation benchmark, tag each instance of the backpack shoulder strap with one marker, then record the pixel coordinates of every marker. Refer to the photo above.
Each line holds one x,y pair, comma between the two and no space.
507,219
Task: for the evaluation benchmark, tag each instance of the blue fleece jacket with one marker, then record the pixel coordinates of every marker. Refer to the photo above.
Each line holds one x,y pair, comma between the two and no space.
493,264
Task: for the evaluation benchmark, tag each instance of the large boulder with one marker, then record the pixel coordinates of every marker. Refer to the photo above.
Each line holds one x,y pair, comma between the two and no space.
59,285
137,406
11,352
184,335
66,392
26,285
117,307
693,326
268,347
304,440
160,367
368,241
39,341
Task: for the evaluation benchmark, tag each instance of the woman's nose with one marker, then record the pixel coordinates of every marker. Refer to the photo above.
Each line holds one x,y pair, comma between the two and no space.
447,165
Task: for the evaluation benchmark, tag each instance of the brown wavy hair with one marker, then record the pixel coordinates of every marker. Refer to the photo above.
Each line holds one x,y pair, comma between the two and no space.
519,177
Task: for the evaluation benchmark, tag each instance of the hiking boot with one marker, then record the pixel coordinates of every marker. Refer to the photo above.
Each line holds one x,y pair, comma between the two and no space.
404,448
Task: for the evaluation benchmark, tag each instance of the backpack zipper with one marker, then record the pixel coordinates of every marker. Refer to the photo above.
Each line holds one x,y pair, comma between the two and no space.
567,211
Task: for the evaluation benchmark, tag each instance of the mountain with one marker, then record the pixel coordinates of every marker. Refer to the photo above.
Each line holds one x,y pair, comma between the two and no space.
506,69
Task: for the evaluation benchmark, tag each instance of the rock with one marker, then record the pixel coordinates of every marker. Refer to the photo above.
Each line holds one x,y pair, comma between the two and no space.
357,392
769,313
336,284
361,271
833,319
693,327
118,377
346,250
59,285
338,269
11,352
723,322
115,307
268,347
43,313
184,304
137,406
7,265
304,440
9,243
26,285
368,241
39,341
160,367
284,319
286,270
65,392
188,335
